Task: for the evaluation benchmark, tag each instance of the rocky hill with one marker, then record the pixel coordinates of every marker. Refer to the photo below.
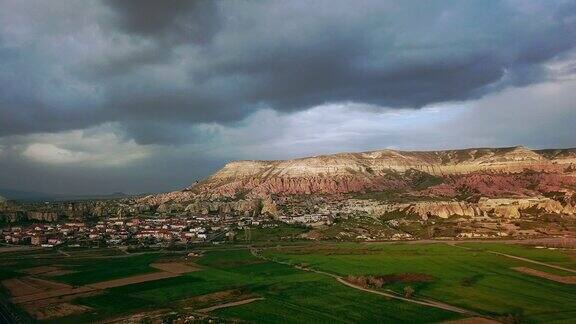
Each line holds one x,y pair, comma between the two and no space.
386,194
515,170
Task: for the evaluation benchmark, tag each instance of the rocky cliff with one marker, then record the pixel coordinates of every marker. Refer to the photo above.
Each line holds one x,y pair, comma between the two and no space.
501,182
491,172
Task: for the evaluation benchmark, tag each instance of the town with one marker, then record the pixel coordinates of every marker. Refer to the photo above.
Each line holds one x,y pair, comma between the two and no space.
119,231
125,223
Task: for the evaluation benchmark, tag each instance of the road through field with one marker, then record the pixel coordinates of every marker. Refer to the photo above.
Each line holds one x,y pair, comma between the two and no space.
518,258
424,302
230,304
533,261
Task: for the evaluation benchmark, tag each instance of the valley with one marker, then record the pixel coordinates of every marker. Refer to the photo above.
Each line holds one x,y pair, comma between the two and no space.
388,236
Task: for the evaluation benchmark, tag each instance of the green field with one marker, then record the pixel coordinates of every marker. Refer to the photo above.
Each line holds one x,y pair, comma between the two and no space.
472,279
282,232
291,295
561,258
469,277
85,266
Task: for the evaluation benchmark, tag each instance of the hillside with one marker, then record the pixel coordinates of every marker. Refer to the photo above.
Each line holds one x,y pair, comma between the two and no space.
384,194
499,169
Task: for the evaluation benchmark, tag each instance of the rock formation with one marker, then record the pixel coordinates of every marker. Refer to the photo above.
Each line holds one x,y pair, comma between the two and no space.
470,182
489,171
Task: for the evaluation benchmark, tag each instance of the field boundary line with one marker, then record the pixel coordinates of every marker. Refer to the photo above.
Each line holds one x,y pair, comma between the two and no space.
533,261
230,304
518,258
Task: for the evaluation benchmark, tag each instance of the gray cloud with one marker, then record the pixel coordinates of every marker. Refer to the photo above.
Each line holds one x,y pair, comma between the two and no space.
202,61
102,160
168,21
195,77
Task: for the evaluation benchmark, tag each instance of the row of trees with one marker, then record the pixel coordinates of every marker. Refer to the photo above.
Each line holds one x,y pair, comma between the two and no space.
376,282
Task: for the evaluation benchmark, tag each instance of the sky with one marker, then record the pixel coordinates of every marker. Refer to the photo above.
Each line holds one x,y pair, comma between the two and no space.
101,96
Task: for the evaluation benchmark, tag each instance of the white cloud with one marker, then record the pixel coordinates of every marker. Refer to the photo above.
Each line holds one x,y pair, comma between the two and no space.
538,116
51,153
329,128
100,146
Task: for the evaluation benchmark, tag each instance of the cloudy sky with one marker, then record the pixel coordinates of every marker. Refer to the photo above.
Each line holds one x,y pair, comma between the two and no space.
145,95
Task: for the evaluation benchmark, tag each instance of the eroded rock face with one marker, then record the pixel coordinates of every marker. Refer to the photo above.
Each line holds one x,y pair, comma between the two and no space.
42,216
446,209
12,211
451,176
269,207
295,186
241,207
508,208
487,170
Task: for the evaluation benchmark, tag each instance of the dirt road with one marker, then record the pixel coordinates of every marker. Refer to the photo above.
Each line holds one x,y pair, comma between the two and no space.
533,261
230,304
518,258
425,302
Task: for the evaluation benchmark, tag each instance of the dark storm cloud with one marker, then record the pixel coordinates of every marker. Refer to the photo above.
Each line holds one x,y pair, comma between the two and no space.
159,67
175,20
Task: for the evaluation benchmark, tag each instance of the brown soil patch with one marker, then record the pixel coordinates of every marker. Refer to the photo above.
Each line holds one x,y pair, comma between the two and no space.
570,280
52,307
18,248
218,296
50,294
57,310
230,304
132,280
18,287
57,273
175,267
40,270
139,317
473,320
31,305
46,284
25,286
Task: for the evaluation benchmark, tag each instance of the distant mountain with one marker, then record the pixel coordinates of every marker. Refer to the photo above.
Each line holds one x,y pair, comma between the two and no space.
22,195
115,195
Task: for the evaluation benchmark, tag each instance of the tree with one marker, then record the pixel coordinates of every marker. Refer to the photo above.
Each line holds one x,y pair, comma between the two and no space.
408,292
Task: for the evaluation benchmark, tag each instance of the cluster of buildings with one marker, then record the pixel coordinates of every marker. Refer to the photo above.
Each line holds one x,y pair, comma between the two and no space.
313,220
127,231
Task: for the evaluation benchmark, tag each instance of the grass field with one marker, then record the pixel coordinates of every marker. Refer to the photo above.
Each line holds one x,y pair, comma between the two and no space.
282,232
473,279
85,266
561,258
469,277
291,296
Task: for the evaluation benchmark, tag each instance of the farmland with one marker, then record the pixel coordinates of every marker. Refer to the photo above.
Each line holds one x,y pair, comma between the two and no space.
466,276
296,283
